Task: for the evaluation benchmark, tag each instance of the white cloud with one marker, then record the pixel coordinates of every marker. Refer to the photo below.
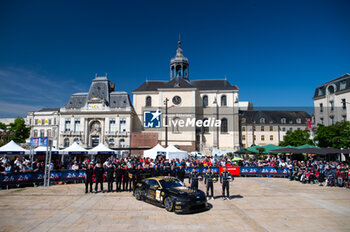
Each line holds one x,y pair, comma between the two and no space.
23,90
13,110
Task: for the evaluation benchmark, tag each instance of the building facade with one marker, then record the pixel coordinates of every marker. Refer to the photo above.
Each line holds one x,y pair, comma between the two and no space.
206,100
332,101
101,115
260,127
45,123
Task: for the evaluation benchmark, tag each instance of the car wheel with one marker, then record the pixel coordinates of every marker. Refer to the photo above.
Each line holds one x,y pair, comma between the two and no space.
168,204
138,194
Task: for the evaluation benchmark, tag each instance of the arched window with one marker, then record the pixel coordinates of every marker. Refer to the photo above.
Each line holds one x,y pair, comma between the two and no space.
122,143
111,142
223,100
66,142
283,120
42,133
35,133
330,89
148,101
175,125
262,120
48,133
185,72
205,101
224,126
76,140
178,71
205,129
298,120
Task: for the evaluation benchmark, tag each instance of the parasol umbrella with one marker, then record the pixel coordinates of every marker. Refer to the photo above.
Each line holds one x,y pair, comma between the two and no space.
237,159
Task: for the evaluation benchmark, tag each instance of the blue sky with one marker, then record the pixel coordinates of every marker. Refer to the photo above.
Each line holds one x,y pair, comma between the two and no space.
277,52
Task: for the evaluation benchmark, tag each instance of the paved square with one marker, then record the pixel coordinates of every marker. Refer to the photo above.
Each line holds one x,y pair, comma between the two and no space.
259,204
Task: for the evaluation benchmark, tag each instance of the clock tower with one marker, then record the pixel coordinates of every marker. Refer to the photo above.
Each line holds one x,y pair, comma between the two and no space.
179,65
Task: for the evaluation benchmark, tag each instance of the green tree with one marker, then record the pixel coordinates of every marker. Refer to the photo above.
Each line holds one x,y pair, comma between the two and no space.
336,136
231,155
3,126
21,131
296,138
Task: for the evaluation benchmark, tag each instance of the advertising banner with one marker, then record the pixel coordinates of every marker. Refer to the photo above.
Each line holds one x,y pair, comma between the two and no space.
234,170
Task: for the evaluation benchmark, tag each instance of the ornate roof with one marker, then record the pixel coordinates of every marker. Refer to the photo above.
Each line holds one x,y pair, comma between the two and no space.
218,84
274,116
341,84
100,90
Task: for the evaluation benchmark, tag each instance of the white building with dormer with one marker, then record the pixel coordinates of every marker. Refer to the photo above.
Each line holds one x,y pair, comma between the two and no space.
101,115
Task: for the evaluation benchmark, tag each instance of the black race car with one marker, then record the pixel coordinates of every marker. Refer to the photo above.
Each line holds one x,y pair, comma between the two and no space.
171,193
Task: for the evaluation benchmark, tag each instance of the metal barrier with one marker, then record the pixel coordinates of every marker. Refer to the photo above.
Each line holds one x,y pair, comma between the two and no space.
72,176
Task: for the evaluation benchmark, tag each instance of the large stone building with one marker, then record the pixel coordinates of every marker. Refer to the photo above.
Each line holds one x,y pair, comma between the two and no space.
207,100
45,123
101,115
262,127
331,101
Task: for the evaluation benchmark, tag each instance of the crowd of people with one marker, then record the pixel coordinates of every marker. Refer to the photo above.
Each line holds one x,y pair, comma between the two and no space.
329,173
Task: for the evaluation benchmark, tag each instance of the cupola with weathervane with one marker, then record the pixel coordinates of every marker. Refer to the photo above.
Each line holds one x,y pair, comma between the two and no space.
179,65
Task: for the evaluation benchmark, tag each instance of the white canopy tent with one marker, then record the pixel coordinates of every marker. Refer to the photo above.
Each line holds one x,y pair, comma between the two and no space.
43,149
101,149
174,153
74,149
13,148
154,152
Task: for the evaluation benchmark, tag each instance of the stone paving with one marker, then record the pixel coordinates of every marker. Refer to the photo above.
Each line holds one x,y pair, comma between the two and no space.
258,204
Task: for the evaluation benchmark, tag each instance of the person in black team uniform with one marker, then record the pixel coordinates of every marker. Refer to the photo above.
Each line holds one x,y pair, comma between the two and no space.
225,178
155,171
110,176
194,179
209,176
164,171
99,176
118,178
89,171
146,172
181,174
125,178
137,175
172,171
131,171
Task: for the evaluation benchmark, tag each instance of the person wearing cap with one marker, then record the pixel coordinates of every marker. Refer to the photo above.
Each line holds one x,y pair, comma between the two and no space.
209,176
193,180
75,166
225,178
99,170
89,170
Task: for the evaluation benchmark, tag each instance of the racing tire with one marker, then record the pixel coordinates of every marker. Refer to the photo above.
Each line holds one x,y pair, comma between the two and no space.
168,204
138,194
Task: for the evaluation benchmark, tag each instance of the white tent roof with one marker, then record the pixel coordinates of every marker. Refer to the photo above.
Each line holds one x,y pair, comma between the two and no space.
101,149
43,149
153,152
12,148
75,148
175,153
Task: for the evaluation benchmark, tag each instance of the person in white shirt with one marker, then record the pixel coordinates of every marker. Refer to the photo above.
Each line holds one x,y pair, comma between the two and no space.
75,166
